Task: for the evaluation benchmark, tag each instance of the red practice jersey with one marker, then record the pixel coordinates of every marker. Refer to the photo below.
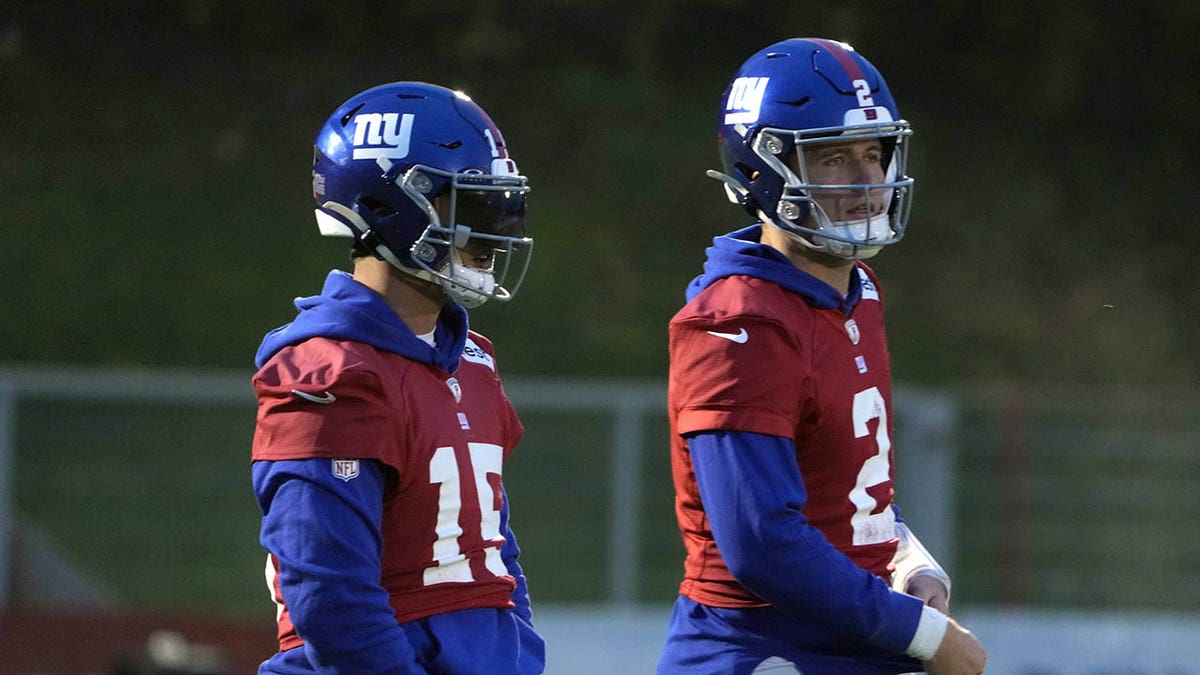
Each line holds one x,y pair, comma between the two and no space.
444,436
749,356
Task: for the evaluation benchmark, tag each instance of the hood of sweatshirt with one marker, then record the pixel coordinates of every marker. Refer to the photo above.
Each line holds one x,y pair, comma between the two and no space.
742,253
348,310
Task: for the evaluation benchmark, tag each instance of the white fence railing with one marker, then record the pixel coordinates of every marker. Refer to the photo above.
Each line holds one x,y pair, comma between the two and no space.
926,422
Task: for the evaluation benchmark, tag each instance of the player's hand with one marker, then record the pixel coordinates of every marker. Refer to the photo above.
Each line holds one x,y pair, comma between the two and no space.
960,653
929,591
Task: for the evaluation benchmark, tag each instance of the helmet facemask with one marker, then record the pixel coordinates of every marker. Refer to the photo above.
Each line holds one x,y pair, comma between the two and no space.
475,246
884,205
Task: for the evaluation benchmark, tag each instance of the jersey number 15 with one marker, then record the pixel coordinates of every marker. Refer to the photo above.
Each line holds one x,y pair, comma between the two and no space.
463,475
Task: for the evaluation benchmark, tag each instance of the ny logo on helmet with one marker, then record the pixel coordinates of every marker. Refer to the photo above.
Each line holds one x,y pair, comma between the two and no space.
745,100
378,131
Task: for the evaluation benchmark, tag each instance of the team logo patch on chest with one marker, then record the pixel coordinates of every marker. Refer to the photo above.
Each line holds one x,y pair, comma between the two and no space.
345,469
455,389
852,331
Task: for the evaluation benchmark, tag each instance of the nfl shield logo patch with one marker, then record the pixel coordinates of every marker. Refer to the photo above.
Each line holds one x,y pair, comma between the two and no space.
345,468
455,389
852,331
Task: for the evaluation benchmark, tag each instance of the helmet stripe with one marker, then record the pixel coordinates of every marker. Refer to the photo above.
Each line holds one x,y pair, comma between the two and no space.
838,51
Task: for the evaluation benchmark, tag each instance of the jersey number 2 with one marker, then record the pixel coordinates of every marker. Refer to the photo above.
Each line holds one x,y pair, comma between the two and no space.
870,527
482,463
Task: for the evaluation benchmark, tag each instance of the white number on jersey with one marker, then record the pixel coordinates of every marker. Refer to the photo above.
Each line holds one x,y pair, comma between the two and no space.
452,565
869,527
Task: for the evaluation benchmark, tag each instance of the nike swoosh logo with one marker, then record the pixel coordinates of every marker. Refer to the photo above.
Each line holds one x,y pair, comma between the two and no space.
326,397
739,337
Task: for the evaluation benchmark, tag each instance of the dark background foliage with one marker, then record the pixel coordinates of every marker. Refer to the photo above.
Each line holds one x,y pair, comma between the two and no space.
156,164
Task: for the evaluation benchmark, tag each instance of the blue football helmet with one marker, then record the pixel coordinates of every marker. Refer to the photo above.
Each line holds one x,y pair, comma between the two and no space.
420,176
786,100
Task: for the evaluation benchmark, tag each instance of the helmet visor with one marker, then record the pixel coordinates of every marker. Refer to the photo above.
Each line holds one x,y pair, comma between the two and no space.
495,211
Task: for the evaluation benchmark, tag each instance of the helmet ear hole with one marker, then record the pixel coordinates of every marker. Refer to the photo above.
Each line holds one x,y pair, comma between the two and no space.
378,208
749,173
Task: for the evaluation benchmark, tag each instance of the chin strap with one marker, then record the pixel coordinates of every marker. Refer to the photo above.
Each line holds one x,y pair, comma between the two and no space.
826,245
468,286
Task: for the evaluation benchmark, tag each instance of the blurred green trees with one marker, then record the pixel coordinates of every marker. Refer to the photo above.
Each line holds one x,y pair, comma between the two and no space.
155,169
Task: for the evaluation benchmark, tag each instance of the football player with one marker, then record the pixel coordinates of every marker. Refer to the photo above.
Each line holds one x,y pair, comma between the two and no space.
780,394
382,424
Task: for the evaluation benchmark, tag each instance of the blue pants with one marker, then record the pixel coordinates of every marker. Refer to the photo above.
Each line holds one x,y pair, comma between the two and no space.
704,640
465,642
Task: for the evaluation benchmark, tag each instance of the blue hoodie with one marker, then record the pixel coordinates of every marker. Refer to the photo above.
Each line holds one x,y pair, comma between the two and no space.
362,635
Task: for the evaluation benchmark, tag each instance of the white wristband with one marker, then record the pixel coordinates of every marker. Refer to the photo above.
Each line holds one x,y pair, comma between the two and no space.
930,632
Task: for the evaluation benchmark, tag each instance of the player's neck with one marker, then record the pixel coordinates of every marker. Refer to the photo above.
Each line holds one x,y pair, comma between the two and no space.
418,303
833,271
836,272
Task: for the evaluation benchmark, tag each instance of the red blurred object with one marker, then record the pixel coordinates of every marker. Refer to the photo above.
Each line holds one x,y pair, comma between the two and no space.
73,643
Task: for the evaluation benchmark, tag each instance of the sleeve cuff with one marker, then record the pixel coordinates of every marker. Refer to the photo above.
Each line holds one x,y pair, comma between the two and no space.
928,638
935,574
913,560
